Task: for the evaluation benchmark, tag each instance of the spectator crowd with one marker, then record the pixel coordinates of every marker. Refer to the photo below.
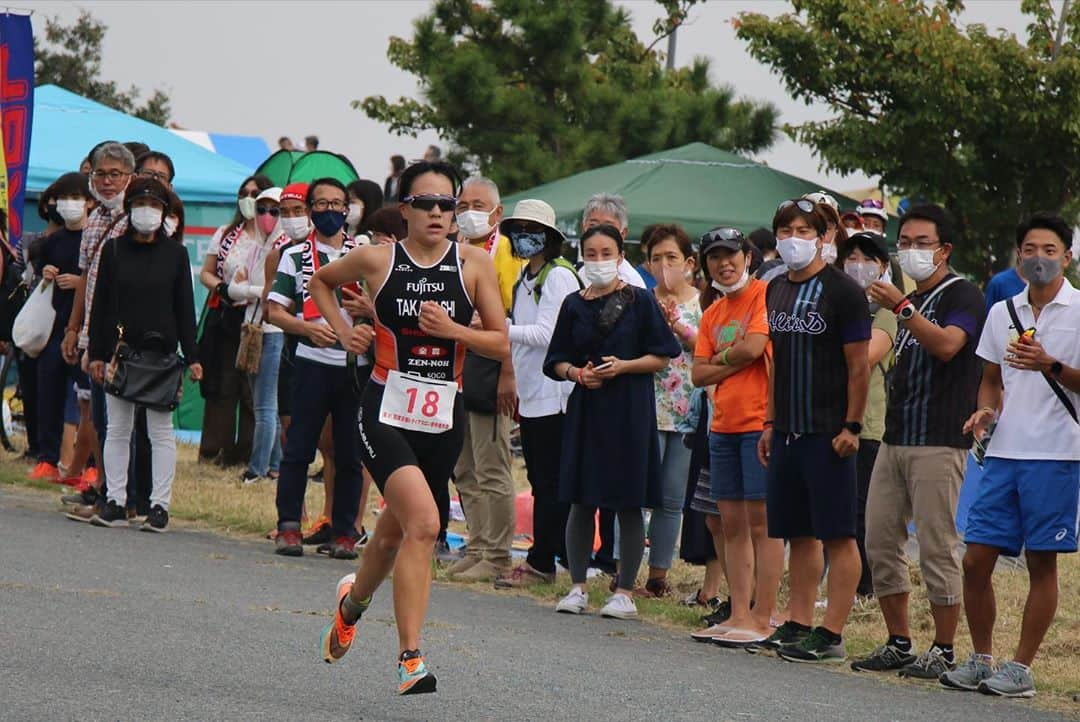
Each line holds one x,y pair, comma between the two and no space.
796,396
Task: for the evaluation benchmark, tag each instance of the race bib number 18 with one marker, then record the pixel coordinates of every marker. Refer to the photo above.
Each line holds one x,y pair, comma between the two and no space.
418,404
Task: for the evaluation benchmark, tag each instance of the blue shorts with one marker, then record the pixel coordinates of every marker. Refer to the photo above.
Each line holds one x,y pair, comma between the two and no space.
812,491
1026,504
736,473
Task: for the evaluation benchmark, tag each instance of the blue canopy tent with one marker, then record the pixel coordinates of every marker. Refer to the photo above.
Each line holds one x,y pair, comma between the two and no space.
67,126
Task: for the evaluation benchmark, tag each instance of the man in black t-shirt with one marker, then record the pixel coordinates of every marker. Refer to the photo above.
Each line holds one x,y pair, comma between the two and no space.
920,466
819,324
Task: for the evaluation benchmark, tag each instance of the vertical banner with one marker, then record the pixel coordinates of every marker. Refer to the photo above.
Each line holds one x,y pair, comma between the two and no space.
16,111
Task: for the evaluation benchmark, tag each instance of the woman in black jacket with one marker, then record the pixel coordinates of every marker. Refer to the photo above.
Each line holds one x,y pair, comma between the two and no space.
144,297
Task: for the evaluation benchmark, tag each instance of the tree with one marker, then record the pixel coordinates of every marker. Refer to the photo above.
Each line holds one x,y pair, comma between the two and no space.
532,91
71,58
978,121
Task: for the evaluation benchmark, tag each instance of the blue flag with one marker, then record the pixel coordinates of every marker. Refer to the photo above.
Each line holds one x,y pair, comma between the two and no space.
16,111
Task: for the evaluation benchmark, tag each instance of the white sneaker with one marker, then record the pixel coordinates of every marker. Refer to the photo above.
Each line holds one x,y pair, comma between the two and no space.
573,603
619,606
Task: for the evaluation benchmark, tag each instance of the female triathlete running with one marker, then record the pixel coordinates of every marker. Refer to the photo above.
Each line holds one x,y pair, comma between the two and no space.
425,289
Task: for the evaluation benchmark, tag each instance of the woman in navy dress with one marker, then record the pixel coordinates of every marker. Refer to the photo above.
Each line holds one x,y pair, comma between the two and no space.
609,340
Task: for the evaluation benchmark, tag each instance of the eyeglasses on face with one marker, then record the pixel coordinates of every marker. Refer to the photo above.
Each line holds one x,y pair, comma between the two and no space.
113,175
922,244
323,204
156,175
426,202
263,210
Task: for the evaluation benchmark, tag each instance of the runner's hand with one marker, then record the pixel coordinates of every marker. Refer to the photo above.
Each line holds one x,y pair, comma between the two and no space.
359,339
764,447
845,444
435,321
321,334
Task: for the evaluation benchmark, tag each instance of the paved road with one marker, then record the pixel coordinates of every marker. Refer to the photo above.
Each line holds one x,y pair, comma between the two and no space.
189,625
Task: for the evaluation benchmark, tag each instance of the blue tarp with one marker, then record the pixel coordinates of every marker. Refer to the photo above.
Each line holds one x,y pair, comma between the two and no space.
248,150
67,126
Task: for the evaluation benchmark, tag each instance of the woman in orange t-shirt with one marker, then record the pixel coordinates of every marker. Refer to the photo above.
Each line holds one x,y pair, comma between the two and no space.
733,353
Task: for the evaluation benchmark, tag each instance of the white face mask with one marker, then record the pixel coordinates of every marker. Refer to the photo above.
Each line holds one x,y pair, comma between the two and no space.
169,225
797,253
828,253
918,263
296,228
600,273
737,285
864,272
146,219
356,212
246,206
474,224
71,211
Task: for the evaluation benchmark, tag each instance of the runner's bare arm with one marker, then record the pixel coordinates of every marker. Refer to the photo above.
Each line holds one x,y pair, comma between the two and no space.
490,341
368,264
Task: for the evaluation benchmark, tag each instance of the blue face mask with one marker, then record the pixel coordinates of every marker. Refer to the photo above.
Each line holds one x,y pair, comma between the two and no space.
328,222
528,244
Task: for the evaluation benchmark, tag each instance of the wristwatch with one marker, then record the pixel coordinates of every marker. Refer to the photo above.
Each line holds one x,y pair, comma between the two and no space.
1056,368
905,312
854,427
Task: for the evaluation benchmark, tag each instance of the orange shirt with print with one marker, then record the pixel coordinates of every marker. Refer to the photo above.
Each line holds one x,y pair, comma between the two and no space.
739,402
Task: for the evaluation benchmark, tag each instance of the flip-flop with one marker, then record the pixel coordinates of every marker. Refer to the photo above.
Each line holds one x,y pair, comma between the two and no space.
739,638
701,636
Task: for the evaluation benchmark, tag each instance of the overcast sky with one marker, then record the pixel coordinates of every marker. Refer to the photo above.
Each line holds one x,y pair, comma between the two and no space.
283,68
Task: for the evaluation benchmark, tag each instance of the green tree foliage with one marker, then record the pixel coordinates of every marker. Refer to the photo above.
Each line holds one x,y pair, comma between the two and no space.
979,121
71,58
533,90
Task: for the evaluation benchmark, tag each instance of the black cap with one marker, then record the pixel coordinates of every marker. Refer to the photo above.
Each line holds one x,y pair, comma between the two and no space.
148,191
870,243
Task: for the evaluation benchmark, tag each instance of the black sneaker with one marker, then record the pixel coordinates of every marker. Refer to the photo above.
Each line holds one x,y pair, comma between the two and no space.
787,633
720,613
886,658
88,497
250,477
157,520
113,515
931,664
814,649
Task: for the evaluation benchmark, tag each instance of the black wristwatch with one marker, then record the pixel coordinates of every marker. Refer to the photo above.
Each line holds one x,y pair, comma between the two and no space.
854,427
223,291
1055,369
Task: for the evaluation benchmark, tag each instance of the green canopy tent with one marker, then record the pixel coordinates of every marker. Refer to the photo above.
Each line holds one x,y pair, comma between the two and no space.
294,166
696,185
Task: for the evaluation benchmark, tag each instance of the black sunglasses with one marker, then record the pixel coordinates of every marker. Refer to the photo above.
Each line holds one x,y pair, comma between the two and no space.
446,204
802,204
263,210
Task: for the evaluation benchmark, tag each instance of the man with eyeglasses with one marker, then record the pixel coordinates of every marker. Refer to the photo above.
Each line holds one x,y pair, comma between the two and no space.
920,465
321,384
112,168
156,165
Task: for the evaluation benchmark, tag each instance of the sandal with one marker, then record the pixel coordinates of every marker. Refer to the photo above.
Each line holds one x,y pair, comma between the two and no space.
738,638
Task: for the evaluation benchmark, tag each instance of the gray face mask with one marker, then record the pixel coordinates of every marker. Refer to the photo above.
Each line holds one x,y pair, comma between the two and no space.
1039,271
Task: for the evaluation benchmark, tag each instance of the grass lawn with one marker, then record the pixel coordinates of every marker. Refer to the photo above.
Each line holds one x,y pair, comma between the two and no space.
214,498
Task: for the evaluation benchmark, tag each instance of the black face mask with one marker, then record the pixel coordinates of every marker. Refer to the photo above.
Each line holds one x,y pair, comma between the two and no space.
52,216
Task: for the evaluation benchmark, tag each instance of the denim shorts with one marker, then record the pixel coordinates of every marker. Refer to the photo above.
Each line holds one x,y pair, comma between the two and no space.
736,473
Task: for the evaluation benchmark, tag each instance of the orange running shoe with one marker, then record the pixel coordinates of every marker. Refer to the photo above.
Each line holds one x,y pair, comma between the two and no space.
44,471
413,674
337,637
90,476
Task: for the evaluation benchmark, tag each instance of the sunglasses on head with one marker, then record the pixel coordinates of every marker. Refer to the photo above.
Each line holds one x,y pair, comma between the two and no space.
263,210
801,203
722,234
871,203
446,204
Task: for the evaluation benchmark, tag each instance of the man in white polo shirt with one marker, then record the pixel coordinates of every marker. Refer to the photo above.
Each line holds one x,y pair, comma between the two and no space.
1030,492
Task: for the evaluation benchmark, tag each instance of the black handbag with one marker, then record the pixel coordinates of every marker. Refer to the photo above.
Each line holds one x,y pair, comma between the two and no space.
146,376
480,383
150,375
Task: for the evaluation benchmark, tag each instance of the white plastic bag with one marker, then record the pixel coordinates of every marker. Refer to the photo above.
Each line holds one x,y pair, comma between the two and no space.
34,324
